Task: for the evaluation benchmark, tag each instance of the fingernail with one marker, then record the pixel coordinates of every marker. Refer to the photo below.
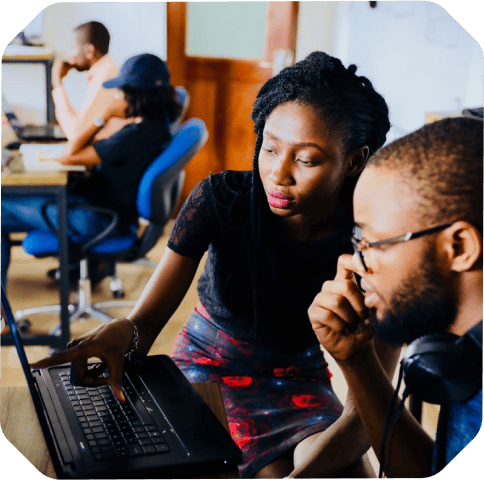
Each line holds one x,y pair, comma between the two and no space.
119,394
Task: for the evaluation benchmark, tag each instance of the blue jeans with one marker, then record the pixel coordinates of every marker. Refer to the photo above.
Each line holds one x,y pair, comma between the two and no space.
22,213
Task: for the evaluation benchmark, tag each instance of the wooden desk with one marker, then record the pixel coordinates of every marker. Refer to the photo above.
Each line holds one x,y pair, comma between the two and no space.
43,55
33,179
17,182
21,427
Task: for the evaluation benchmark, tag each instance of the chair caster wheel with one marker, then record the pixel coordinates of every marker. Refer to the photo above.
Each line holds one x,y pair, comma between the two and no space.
24,325
118,294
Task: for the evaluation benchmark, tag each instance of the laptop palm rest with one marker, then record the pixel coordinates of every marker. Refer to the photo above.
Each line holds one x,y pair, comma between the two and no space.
199,430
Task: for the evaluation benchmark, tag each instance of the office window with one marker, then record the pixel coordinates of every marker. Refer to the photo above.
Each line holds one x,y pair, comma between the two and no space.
210,34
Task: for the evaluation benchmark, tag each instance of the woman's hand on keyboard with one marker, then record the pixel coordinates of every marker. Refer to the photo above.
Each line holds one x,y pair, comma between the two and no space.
109,343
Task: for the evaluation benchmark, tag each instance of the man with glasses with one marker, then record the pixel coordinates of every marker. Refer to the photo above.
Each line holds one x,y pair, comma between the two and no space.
417,270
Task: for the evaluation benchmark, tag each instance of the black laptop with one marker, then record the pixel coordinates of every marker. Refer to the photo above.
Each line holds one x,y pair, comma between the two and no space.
34,133
163,430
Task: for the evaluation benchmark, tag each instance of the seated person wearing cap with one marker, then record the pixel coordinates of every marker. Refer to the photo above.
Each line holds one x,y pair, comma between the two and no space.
117,163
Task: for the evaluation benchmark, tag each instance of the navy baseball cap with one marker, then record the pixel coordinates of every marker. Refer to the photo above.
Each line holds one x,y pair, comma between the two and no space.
141,71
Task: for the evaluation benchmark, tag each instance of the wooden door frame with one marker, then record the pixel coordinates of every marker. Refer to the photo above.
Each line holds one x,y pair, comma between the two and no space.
176,21
217,76
280,15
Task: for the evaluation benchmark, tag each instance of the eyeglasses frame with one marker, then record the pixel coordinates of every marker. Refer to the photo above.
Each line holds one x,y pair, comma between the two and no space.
361,245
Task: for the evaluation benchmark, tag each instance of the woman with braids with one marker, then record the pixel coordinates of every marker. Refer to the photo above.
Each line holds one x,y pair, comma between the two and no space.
273,236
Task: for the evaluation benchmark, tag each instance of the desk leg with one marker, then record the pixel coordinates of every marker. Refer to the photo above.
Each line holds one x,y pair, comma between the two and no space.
64,267
50,113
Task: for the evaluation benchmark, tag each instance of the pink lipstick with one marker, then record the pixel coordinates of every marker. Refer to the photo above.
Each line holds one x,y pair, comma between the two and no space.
278,199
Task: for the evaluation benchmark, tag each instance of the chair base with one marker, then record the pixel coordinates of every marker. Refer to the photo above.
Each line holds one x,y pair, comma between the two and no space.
143,262
76,311
85,307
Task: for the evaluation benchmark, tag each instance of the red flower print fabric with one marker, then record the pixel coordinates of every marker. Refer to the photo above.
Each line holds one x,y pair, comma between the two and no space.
272,402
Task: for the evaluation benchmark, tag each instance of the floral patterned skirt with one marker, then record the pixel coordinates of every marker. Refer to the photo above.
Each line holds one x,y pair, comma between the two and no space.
272,401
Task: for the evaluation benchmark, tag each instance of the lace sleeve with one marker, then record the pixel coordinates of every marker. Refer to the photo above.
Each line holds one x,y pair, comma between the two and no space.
194,226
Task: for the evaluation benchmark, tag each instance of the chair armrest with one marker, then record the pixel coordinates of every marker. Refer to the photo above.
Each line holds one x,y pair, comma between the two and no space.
98,238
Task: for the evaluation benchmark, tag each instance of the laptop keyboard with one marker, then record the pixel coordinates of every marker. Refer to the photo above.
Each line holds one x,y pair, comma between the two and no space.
114,429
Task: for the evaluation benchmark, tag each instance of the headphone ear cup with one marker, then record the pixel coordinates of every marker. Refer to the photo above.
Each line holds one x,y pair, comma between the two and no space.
438,369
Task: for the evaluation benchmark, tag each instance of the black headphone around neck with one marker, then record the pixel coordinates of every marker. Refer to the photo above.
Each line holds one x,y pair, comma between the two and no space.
440,368
444,368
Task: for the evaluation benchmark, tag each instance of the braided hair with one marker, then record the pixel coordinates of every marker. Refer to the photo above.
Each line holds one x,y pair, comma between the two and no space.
350,107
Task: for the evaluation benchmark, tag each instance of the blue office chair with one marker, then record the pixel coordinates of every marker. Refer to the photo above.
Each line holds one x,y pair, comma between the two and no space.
135,256
183,98
158,194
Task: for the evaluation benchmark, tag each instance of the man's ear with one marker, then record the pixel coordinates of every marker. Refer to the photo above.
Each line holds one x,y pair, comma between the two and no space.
356,160
89,50
463,246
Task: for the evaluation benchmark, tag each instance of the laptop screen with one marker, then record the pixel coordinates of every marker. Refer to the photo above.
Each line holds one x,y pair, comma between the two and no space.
11,117
7,312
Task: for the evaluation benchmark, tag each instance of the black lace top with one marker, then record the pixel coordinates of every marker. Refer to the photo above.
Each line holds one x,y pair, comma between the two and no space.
216,217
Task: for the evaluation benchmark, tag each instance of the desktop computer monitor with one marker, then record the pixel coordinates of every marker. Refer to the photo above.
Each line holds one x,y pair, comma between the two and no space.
33,32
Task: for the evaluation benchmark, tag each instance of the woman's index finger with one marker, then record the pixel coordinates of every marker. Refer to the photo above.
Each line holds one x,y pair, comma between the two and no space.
59,358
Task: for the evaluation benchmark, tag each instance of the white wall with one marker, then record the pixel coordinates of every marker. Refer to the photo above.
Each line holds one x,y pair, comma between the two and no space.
135,27
316,28
416,55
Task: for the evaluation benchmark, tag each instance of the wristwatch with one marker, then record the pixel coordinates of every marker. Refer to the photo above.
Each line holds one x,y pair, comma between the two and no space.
99,121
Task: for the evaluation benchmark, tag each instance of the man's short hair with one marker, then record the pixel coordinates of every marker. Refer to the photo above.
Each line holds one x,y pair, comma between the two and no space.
442,163
96,34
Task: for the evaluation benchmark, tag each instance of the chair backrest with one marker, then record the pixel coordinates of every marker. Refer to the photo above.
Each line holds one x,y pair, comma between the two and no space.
158,195
161,185
183,98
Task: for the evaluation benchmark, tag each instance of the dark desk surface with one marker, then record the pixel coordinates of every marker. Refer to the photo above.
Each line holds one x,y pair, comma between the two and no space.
21,427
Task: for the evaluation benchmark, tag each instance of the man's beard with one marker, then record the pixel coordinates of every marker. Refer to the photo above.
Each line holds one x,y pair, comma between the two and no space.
425,303
81,68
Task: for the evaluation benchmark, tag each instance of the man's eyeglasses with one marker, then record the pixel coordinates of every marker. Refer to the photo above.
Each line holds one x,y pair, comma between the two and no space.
361,245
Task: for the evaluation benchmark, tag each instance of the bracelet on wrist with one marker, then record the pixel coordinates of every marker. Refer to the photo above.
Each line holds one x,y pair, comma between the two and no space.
135,343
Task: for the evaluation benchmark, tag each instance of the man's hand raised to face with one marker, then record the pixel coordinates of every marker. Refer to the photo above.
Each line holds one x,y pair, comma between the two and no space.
60,69
338,314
